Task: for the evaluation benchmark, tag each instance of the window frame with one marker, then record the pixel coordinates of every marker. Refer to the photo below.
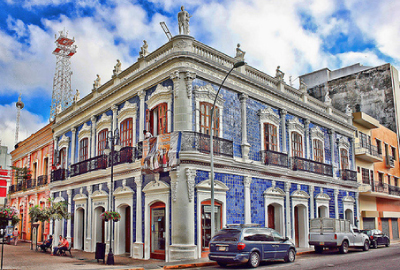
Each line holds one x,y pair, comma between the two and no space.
126,132
101,142
296,140
84,155
205,118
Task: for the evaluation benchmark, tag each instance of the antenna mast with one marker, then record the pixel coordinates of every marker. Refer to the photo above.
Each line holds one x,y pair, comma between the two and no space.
20,105
62,92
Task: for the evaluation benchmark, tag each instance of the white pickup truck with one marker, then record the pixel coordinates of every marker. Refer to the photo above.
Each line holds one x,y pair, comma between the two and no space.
336,233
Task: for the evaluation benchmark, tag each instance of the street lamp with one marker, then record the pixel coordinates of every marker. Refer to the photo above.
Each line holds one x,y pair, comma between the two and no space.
236,65
112,144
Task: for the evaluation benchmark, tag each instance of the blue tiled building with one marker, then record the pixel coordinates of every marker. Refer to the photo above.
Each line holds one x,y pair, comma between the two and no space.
281,157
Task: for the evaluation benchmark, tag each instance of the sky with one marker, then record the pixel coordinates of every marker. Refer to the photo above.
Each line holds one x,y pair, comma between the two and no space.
300,36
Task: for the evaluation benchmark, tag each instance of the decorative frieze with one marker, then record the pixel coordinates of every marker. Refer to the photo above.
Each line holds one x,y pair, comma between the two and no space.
190,176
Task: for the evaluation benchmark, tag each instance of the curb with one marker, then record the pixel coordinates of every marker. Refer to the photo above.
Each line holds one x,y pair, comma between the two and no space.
190,265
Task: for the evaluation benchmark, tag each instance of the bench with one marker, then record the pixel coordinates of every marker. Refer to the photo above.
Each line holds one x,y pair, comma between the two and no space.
64,252
38,248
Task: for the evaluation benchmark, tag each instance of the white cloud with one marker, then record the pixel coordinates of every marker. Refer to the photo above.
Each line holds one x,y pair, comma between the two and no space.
366,58
29,123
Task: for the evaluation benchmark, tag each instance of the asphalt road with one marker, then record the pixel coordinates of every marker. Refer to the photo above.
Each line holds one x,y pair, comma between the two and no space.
356,259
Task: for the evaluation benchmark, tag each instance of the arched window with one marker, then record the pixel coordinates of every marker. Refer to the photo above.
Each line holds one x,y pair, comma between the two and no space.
102,139
126,132
297,144
83,149
270,137
318,151
344,159
205,119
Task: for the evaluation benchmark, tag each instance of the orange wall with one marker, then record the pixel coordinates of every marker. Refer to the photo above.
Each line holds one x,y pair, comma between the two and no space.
387,205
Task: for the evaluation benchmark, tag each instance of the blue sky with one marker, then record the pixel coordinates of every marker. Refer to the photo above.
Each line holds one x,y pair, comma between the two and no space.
299,35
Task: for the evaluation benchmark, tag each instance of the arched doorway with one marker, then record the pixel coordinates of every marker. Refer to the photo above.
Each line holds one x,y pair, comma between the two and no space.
348,214
99,225
158,232
300,225
275,217
323,211
79,239
123,243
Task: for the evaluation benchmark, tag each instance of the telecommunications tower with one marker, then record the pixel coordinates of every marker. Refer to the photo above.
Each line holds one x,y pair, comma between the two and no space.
62,92
20,105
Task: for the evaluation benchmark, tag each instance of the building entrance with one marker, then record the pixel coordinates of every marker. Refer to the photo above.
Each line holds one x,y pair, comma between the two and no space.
157,236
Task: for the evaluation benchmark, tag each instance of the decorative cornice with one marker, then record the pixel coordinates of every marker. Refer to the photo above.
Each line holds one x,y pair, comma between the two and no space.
84,132
129,110
64,142
207,93
295,125
316,133
268,115
104,122
161,94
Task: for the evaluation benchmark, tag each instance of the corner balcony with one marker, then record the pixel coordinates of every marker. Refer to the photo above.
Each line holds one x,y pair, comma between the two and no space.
307,165
381,187
368,153
394,190
194,141
41,180
348,175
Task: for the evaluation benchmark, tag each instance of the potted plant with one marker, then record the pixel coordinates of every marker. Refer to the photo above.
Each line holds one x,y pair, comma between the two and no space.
8,213
110,215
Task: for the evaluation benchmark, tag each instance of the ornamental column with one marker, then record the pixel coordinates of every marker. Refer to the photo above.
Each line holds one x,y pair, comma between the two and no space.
182,215
93,140
247,199
114,109
183,91
312,213
88,244
142,116
331,133
353,154
283,127
307,138
288,226
336,194
55,157
73,130
358,209
245,145
137,247
51,231
69,193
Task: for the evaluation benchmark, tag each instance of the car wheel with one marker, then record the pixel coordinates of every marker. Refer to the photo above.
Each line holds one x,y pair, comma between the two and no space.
254,260
388,243
344,248
222,264
318,249
291,256
374,244
366,245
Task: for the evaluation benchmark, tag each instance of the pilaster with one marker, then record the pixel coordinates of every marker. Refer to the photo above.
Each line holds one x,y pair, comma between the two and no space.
69,193
137,247
288,226
89,227
307,138
73,130
312,212
114,109
331,133
336,194
283,126
142,116
93,139
245,145
183,99
247,199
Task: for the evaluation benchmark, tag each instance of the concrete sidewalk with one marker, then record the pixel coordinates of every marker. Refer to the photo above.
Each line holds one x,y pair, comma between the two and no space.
21,257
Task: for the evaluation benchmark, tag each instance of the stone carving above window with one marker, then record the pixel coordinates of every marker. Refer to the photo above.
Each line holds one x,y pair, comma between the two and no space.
104,122
274,191
84,132
129,110
162,94
64,142
316,133
295,125
323,197
207,93
269,116
344,143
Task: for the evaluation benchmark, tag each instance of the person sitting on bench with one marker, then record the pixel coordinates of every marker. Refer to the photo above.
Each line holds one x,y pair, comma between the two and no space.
62,246
46,244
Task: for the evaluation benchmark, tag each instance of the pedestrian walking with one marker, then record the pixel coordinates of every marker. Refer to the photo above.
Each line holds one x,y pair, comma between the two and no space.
15,235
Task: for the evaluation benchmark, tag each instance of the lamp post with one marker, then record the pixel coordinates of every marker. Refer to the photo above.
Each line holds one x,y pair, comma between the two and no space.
111,145
236,65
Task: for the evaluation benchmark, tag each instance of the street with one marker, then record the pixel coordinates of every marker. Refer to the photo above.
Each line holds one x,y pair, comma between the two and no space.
376,259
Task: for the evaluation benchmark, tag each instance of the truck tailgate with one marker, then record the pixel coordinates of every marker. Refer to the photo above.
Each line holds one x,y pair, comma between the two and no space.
326,239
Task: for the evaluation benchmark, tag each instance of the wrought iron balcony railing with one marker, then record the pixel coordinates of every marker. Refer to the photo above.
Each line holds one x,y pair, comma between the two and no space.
12,188
270,157
41,180
58,175
125,155
381,187
91,164
30,183
194,141
308,165
367,149
348,175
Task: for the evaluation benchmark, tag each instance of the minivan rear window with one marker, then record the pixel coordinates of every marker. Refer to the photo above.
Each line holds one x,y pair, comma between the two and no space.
227,235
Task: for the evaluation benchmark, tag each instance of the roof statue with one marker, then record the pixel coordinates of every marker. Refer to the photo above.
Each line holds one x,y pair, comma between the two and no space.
239,53
117,68
76,96
183,21
328,100
144,50
97,82
279,74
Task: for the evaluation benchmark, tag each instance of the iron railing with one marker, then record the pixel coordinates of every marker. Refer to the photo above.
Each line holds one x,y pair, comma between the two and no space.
367,149
308,165
91,164
125,155
394,190
12,188
348,175
390,161
41,180
58,175
270,157
194,141
30,183
381,187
